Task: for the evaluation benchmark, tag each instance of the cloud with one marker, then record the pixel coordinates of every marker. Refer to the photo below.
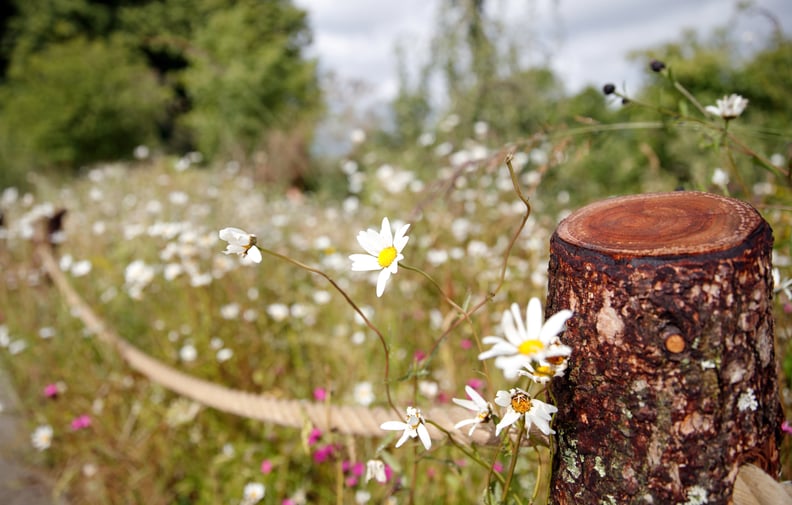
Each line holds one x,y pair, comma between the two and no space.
584,41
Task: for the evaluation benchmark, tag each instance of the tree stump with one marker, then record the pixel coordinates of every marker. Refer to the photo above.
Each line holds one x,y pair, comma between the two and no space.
672,382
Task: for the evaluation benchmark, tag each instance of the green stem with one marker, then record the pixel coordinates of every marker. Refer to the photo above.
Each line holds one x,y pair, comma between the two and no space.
354,306
470,454
513,464
690,97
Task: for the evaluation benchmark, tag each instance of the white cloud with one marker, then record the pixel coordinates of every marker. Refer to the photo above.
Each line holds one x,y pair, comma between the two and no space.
585,41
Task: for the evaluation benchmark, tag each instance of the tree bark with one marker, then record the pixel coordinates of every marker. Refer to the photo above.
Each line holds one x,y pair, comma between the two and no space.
672,382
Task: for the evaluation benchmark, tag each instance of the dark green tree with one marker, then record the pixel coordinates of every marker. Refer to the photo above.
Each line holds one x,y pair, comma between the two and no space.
83,80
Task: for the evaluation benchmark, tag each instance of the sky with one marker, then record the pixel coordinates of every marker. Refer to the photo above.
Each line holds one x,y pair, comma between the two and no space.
584,41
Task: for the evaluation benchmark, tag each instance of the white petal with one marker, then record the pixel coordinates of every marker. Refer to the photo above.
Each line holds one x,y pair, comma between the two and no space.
394,425
509,418
503,398
385,232
371,242
407,434
423,433
382,280
511,365
467,404
533,319
399,240
477,399
234,235
364,263
510,329
540,423
501,348
254,254
234,249
554,325
465,422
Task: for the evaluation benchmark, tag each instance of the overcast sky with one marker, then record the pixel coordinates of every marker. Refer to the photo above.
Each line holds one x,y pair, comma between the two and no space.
586,40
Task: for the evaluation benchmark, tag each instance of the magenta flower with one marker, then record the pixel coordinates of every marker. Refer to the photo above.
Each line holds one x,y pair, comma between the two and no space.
476,384
358,469
51,390
786,428
314,436
320,394
81,422
323,454
266,466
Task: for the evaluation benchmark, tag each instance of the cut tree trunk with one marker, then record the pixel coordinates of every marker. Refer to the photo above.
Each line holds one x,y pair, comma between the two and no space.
672,382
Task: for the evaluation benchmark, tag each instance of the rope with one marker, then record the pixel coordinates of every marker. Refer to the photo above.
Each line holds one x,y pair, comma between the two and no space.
348,420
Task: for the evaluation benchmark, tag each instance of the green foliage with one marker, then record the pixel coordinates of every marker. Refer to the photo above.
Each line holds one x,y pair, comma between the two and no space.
83,80
78,102
245,76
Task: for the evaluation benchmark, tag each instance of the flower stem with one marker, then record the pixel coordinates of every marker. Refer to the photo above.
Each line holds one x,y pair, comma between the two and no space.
470,454
513,464
354,306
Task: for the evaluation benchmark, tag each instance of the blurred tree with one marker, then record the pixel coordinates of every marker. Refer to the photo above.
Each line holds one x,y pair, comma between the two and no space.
77,102
245,76
216,75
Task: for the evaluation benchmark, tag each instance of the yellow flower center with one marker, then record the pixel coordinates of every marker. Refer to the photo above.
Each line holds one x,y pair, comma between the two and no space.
530,347
521,402
386,256
544,371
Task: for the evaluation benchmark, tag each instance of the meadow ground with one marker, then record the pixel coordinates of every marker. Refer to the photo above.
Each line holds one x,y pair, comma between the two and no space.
140,244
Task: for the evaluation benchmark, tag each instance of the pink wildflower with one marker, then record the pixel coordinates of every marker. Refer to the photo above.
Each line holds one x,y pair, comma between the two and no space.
358,469
81,422
324,454
320,394
476,384
786,428
314,436
51,390
266,466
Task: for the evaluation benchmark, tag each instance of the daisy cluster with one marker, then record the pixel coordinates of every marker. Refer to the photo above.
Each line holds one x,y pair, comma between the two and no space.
144,246
529,347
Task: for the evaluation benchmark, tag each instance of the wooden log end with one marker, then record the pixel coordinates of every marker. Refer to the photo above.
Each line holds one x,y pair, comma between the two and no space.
661,224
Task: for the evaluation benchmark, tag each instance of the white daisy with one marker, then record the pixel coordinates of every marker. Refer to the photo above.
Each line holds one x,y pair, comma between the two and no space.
413,426
375,469
477,404
518,403
240,242
781,285
384,252
728,107
42,437
543,371
529,341
253,493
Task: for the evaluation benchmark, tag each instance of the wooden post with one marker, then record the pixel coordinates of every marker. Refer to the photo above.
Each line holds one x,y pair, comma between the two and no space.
672,382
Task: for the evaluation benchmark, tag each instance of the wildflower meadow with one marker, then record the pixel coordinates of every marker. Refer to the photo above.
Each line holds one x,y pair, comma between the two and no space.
413,281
